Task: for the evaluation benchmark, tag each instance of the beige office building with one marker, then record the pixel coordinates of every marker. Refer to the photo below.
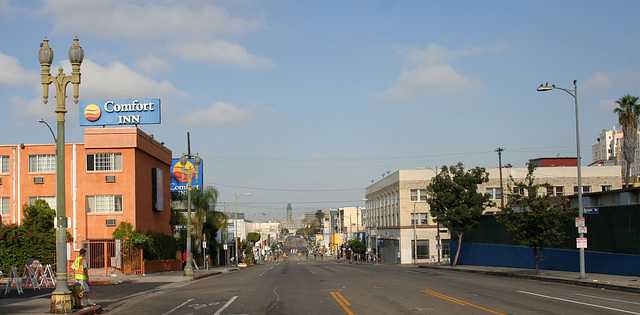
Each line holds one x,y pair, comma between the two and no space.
397,211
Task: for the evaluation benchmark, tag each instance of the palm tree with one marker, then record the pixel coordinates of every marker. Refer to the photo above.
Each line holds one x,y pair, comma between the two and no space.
628,113
202,200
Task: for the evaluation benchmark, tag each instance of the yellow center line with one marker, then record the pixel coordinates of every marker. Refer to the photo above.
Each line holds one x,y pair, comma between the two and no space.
358,270
312,271
448,298
342,301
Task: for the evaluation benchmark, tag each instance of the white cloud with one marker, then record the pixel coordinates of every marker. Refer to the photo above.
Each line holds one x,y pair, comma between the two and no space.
606,106
182,28
598,81
115,81
428,71
11,73
440,79
144,20
152,65
222,52
620,79
217,114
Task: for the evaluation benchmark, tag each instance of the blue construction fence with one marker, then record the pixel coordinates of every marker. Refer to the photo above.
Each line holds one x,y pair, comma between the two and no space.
552,259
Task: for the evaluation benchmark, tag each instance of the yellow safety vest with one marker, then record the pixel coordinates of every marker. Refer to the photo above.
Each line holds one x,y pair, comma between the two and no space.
78,267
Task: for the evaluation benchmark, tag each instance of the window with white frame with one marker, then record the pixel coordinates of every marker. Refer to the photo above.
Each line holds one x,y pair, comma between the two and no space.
555,191
104,204
606,187
494,193
585,189
423,218
4,164
5,208
104,162
43,163
419,195
50,200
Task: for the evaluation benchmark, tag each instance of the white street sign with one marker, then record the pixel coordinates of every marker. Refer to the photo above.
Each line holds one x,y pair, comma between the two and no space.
581,242
580,222
582,230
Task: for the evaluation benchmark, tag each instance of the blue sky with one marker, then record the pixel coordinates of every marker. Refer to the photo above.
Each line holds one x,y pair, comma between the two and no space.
306,102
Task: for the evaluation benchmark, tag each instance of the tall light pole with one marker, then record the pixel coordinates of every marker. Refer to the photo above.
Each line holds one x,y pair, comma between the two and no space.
188,268
61,296
415,236
574,93
235,224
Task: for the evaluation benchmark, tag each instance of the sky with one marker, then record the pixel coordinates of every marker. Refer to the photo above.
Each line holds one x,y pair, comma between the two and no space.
310,102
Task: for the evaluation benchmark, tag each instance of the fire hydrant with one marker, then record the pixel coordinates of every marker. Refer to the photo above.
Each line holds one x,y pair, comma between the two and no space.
76,292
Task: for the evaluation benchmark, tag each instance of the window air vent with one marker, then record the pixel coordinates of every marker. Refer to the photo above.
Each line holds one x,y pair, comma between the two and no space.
110,222
38,180
110,178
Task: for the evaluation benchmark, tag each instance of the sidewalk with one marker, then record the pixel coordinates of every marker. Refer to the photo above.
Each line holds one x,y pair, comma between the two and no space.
39,301
603,281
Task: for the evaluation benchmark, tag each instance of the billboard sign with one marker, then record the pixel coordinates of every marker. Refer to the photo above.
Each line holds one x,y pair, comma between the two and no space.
120,112
179,176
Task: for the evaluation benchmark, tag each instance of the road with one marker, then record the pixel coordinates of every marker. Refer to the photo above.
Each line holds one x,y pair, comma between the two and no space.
327,287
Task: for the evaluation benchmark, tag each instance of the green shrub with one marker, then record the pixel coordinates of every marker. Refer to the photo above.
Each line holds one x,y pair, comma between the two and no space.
159,247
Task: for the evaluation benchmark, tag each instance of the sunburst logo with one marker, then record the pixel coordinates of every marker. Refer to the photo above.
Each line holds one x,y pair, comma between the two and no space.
179,172
92,112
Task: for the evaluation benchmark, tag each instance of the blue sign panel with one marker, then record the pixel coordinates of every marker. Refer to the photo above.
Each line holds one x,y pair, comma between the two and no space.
179,176
590,211
120,112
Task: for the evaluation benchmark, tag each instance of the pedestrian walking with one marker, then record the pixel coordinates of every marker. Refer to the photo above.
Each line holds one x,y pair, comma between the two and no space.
81,270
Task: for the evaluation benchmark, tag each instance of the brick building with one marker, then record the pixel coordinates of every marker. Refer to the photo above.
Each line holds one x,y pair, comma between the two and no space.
117,175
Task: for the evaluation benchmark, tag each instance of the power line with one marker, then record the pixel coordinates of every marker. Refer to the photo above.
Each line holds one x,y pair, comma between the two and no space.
289,190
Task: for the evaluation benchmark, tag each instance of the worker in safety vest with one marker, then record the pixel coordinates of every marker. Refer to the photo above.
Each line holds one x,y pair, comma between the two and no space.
81,269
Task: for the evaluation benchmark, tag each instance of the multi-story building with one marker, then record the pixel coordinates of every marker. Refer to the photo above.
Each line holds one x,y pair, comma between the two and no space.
608,151
117,175
398,213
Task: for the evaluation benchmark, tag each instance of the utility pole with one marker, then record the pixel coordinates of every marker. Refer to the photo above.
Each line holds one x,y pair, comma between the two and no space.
499,150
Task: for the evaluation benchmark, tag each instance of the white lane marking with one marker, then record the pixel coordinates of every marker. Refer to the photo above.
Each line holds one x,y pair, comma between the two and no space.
581,303
265,271
177,307
608,299
277,300
226,305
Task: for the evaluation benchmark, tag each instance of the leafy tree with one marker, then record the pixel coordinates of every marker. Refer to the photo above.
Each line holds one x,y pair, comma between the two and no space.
253,237
132,238
357,246
628,112
34,238
533,220
320,217
454,199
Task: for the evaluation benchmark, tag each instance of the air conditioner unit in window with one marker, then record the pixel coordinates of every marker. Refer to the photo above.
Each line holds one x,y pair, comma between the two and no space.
110,222
110,178
38,180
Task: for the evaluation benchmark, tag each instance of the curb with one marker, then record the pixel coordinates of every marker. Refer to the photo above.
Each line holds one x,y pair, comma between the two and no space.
207,275
542,279
97,309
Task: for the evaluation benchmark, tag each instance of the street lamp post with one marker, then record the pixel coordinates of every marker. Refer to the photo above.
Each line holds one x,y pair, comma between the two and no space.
574,94
415,236
61,296
235,225
188,268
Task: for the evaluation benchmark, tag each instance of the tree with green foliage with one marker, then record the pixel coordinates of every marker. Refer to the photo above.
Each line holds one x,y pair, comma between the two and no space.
132,238
534,220
454,199
628,112
357,246
253,237
34,238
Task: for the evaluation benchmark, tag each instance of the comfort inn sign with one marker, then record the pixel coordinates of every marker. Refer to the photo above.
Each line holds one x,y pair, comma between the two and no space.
120,112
